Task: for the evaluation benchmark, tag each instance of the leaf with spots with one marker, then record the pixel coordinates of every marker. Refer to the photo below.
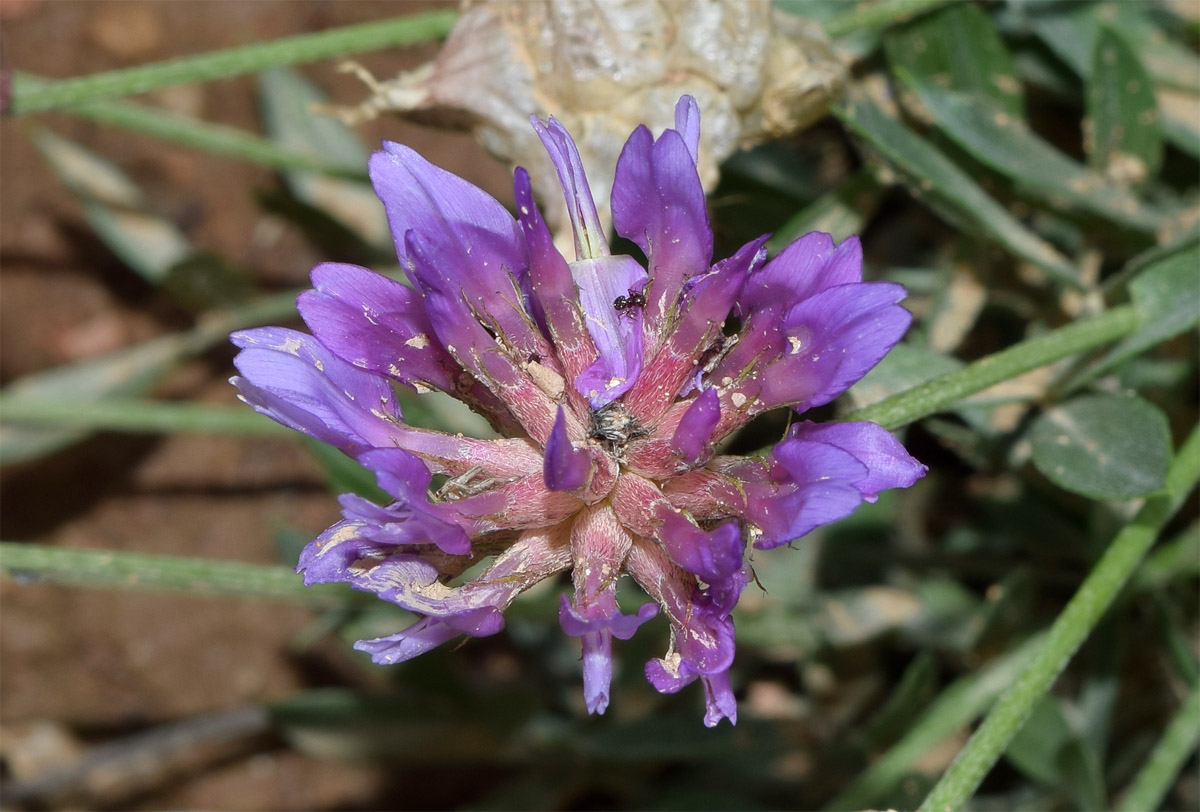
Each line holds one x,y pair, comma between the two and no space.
1103,446
959,49
1008,146
1123,138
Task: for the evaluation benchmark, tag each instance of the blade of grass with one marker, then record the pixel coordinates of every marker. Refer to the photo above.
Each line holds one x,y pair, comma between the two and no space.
1173,749
216,139
113,569
126,373
946,390
957,706
28,98
1066,635
138,416
948,188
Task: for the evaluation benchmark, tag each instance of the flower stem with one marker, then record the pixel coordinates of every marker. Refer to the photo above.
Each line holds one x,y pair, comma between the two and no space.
946,390
1173,749
40,563
138,416
29,97
1066,635
957,706
202,135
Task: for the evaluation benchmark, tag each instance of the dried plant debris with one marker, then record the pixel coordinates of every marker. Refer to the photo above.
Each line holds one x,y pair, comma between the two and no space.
604,67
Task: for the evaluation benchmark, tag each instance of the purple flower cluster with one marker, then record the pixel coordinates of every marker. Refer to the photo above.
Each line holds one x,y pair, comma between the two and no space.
611,384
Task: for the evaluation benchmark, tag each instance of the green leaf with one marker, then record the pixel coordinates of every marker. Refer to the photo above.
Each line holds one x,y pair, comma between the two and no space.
125,372
1166,297
289,109
1071,30
1007,145
1103,446
957,48
113,206
1165,289
1121,131
1034,751
947,187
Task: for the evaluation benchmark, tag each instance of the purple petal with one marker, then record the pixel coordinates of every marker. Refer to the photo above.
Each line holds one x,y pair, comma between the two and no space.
330,555
719,701
713,555
449,212
412,518
428,633
566,467
377,324
833,339
596,634
471,249
622,626
888,464
425,635
704,306
290,377
658,203
581,206
818,489
806,267
617,333
693,436
687,123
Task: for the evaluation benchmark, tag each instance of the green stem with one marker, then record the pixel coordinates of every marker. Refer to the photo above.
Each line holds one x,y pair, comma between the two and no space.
957,706
946,390
1066,635
27,97
138,416
1173,749
39,563
198,134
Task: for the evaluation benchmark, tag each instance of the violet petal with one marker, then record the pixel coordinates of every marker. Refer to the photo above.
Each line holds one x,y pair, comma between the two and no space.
693,436
290,377
566,467
581,206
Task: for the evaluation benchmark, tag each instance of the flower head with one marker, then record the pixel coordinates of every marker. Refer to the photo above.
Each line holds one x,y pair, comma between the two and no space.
611,384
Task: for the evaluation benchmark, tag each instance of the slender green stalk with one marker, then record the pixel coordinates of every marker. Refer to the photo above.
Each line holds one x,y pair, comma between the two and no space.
138,416
882,13
957,706
38,563
1173,749
946,390
28,97
202,135
1066,635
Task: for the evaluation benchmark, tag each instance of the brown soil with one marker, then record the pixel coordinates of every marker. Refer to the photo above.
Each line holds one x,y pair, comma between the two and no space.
98,663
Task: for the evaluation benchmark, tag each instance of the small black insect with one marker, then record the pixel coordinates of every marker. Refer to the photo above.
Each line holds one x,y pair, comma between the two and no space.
634,299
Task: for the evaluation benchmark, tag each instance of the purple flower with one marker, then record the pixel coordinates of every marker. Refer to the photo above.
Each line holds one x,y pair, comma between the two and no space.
611,384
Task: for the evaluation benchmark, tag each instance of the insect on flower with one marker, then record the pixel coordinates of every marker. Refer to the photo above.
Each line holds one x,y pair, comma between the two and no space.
610,384
632,300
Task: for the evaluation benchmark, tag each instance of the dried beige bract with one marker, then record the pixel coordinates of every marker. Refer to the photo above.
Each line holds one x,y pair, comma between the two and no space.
603,66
